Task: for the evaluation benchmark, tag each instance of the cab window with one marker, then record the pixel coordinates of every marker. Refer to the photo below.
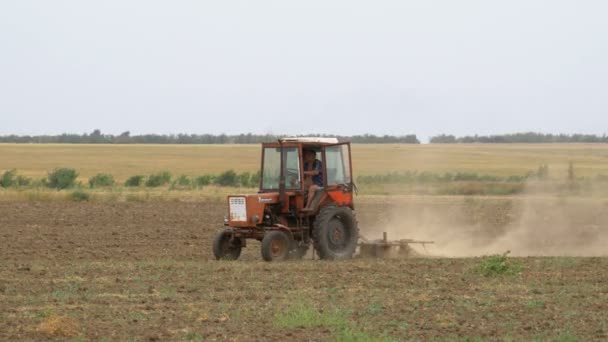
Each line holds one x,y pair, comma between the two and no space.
337,164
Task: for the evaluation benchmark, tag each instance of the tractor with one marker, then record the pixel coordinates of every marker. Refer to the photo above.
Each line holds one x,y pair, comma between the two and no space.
286,215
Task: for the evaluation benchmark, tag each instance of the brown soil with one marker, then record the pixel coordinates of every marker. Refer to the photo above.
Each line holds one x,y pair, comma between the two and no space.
144,271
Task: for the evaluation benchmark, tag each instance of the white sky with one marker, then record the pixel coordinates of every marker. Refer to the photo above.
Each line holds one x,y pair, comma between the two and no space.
344,67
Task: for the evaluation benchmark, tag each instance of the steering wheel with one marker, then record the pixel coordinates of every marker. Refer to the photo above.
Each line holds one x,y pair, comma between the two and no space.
292,178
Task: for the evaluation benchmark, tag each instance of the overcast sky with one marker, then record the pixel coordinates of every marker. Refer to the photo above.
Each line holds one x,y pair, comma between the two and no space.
345,67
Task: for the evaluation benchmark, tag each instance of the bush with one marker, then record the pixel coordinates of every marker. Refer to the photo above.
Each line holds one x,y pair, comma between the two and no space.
182,181
79,196
134,181
23,181
62,178
8,178
254,182
244,179
158,179
203,180
101,180
227,178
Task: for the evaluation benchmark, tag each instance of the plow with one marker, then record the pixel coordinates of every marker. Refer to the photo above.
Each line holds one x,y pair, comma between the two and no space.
385,248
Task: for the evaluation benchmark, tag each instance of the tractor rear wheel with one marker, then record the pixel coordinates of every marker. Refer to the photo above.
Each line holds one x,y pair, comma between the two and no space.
335,233
225,247
275,246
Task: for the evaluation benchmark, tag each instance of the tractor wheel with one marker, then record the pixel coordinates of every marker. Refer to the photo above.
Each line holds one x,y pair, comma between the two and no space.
335,233
224,249
275,246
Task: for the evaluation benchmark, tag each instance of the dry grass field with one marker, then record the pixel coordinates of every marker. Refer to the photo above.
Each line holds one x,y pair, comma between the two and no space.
126,160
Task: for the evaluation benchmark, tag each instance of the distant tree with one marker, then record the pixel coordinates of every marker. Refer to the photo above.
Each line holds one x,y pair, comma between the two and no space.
443,139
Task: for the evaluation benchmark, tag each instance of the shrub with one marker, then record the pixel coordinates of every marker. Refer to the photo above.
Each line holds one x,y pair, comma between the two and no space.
79,196
134,181
227,178
158,179
101,180
203,180
254,182
182,181
8,178
244,179
62,178
23,181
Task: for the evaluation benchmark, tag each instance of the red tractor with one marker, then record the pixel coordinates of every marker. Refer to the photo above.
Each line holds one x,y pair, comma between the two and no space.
283,217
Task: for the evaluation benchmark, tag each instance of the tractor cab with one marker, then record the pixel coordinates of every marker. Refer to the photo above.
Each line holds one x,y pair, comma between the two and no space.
284,171
285,215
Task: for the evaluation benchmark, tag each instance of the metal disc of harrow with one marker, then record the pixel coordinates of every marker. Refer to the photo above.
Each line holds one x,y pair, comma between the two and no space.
385,248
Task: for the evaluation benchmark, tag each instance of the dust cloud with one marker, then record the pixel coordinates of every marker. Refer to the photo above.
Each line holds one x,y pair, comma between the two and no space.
525,225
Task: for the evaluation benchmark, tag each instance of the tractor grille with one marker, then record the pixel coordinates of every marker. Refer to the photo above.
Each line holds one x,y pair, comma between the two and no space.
238,209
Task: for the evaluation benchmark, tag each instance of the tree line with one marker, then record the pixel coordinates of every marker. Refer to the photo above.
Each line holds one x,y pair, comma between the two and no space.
528,137
97,137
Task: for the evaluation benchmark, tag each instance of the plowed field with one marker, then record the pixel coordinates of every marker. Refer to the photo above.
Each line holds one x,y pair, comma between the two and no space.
144,271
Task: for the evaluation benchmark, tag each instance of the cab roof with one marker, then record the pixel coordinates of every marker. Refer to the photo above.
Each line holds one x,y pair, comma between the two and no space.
310,140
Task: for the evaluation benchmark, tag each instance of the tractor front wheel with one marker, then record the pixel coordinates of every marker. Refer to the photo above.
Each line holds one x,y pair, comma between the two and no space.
226,247
275,246
335,233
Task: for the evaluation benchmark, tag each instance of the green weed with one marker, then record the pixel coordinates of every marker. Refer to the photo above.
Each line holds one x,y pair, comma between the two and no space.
304,315
349,334
193,336
495,265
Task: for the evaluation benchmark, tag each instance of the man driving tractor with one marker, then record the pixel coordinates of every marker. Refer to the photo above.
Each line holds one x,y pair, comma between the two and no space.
313,175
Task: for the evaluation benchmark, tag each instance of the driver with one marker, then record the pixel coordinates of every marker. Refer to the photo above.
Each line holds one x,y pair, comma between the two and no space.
313,174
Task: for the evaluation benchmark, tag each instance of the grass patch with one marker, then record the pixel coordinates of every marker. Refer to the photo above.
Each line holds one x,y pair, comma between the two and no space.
79,196
535,304
305,315
349,334
192,336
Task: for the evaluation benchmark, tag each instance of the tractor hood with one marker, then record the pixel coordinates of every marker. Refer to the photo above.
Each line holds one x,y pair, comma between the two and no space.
248,210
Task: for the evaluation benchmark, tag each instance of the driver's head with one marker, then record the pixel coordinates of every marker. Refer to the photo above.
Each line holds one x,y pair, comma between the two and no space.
309,155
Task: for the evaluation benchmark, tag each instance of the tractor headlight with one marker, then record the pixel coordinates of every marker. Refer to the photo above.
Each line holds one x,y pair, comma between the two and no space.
255,219
226,221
